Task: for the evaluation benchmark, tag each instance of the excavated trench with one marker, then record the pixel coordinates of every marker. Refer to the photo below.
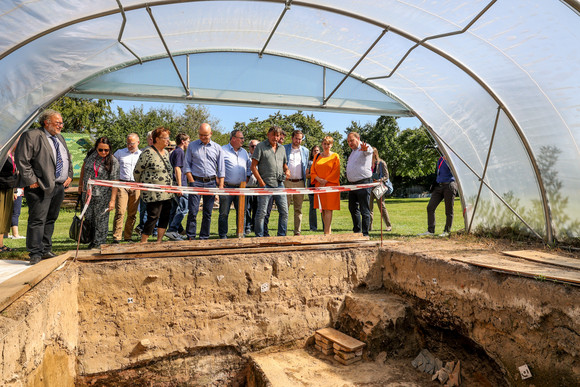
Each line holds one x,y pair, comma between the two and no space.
249,319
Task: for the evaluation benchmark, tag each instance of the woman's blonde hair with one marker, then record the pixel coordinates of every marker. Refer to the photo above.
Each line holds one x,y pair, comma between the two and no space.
328,139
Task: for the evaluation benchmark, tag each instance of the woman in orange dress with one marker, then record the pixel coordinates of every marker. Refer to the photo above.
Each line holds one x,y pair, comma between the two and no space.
325,172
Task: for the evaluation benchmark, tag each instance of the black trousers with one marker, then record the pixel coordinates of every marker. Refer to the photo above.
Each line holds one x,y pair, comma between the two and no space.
358,205
443,191
157,211
43,212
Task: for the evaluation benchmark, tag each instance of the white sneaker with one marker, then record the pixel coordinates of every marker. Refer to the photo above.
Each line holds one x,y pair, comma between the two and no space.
426,233
174,236
18,237
444,234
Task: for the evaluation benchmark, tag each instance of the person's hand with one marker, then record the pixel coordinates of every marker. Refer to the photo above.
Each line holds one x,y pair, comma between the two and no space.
287,172
34,185
111,205
261,183
364,146
67,182
14,196
322,182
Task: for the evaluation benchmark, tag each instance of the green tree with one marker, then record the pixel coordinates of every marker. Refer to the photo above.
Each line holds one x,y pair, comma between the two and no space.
82,115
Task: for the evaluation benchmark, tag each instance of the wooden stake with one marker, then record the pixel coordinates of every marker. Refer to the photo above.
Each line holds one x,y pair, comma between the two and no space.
241,212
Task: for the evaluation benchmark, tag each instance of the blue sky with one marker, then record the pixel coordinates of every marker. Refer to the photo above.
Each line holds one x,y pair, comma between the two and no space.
228,115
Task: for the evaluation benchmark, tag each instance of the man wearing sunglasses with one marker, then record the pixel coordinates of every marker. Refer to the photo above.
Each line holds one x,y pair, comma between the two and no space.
45,166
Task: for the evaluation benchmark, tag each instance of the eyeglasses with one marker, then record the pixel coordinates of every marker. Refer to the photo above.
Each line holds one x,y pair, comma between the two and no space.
103,150
60,123
163,138
241,138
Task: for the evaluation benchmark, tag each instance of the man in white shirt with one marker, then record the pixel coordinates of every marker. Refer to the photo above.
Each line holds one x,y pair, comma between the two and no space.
127,199
359,171
297,156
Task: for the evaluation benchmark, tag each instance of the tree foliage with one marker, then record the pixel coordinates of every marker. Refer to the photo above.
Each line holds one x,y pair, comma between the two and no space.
83,115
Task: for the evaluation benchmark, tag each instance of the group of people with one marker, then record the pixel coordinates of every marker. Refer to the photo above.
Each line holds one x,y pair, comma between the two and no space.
45,170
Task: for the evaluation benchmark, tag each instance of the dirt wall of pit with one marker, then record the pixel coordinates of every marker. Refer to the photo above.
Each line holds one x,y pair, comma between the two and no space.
132,312
516,320
40,332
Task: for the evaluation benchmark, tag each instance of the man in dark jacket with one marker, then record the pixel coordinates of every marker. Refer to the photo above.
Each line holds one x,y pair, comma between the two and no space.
45,167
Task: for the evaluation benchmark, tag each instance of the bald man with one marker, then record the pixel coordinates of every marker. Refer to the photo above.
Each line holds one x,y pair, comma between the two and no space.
204,167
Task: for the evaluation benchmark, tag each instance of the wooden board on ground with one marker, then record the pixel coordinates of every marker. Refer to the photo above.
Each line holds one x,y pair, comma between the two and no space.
95,256
529,269
231,243
14,287
350,344
345,361
540,256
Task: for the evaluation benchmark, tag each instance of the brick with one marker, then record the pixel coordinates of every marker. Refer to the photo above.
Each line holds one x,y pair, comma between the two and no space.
347,362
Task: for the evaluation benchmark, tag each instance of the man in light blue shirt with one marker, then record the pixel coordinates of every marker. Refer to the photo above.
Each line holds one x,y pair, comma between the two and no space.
359,171
236,163
204,167
297,157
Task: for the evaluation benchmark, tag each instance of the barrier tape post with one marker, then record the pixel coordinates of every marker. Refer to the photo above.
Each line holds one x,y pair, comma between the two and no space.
241,212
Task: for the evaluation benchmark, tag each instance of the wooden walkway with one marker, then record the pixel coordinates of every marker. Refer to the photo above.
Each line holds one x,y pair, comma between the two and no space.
528,263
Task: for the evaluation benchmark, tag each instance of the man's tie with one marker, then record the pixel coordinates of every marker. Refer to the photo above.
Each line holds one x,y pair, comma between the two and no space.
58,157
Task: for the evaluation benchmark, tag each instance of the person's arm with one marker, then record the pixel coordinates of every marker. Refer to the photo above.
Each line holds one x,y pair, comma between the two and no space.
314,175
220,182
385,171
23,153
254,169
286,170
177,172
187,165
334,176
81,182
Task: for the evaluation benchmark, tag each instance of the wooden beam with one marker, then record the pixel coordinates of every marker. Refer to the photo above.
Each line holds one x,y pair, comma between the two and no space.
535,270
14,287
540,256
231,243
221,251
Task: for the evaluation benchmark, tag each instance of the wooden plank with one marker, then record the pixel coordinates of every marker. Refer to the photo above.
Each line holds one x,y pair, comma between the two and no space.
229,251
540,256
231,243
14,287
348,343
531,269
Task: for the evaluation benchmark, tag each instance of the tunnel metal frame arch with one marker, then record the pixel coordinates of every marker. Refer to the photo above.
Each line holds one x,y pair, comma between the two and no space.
421,42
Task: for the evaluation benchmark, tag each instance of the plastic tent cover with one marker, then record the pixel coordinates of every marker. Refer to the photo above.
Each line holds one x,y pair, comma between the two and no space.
496,82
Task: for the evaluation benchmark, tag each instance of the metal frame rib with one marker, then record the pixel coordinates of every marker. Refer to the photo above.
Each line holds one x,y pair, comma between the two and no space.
187,92
356,65
122,29
286,8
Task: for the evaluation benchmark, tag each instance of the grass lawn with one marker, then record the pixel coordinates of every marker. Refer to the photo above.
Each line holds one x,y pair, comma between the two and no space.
408,217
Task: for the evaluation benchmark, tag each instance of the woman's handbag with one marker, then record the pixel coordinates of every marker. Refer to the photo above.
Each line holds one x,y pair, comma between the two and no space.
86,233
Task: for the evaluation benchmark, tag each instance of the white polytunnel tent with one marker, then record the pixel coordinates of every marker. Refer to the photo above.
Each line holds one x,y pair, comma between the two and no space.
497,83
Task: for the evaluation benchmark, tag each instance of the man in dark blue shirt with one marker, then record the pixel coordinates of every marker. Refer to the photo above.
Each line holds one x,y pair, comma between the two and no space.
444,189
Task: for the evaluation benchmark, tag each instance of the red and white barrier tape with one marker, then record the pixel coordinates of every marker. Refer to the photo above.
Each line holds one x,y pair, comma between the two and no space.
227,191
218,191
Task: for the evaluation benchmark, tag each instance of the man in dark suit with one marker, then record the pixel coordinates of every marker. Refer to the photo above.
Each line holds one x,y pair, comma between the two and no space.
45,167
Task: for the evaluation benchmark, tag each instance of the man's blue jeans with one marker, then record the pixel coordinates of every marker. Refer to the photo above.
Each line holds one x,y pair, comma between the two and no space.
178,212
225,205
193,203
282,205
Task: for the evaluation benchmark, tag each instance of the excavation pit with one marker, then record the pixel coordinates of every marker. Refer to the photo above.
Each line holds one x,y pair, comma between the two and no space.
227,316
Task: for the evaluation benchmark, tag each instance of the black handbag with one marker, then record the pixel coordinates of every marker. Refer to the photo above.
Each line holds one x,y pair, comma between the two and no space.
86,233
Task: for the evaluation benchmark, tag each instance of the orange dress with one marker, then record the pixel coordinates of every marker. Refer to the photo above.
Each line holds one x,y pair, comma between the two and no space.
327,168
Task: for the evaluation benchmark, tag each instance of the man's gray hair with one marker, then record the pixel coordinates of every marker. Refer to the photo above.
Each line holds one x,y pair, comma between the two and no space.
356,134
276,129
45,116
234,132
135,135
